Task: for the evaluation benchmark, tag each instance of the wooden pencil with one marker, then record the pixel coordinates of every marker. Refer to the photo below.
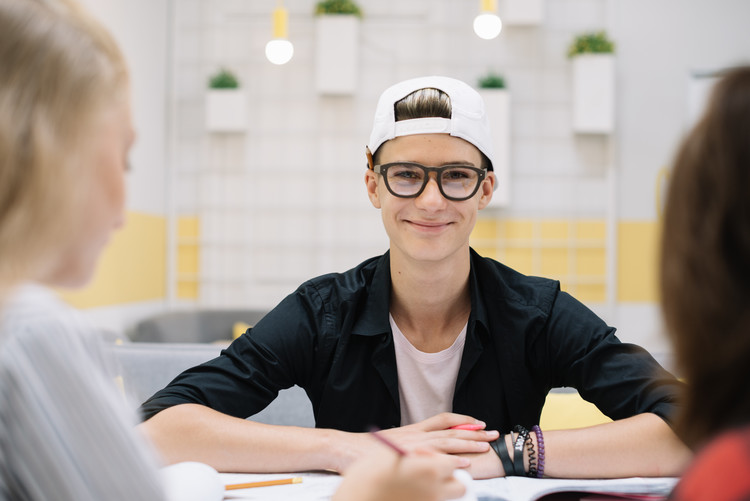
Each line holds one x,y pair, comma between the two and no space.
265,483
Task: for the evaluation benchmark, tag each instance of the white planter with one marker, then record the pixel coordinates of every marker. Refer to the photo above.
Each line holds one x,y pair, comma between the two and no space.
497,104
523,12
594,93
336,53
226,110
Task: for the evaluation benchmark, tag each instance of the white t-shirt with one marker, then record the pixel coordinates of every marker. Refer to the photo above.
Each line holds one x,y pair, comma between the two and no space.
426,381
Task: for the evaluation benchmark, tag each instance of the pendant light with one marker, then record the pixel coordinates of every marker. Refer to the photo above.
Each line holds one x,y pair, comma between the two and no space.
279,50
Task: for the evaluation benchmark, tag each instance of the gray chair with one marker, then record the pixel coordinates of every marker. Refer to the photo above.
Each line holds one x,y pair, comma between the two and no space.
145,368
193,326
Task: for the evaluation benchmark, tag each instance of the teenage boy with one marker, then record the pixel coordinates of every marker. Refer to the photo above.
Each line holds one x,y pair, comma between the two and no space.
436,345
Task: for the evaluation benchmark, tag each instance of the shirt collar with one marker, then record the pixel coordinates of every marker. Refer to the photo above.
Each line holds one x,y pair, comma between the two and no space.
374,318
478,288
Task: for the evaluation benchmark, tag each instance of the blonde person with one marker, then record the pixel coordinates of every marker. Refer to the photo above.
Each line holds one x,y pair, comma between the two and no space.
705,290
65,132
434,344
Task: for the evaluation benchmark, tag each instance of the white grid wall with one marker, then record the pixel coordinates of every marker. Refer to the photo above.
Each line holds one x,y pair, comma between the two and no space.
285,201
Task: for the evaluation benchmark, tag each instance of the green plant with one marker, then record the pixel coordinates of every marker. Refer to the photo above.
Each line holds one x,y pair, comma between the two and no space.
596,42
492,80
224,79
337,7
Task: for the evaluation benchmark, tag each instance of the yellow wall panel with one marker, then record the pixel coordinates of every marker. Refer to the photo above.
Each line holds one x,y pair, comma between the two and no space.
188,257
520,259
490,252
591,230
519,229
188,227
187,289
591,262
485,229
555,230
637,267
591,293
554,262
132,268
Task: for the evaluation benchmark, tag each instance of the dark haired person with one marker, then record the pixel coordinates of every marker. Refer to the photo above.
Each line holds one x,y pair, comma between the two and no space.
705,290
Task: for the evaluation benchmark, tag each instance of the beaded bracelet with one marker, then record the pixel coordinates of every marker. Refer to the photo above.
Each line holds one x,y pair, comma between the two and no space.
540,445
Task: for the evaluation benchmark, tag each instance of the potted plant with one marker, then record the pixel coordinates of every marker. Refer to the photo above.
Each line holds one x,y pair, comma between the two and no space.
493,90
492,80
593,83
337,7
225,103
336,46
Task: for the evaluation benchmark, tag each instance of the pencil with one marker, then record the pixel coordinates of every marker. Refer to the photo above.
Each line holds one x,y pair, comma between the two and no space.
399,450
265,483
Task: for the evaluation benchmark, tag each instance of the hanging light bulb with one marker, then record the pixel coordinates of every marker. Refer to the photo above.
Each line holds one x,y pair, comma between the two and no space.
487,24
279,50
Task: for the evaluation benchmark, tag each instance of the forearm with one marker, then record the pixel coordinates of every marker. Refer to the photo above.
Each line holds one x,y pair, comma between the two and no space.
643,445
192,432
640,446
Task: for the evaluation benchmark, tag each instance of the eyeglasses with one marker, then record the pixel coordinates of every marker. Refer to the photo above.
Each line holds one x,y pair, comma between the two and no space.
408,179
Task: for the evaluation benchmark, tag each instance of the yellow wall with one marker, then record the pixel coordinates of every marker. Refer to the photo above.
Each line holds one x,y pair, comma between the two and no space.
132,268
572,251
637,263
575,252
188,257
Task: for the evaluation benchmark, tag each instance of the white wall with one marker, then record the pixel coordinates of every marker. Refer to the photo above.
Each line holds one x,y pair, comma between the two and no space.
142,28
660,43
286,200
297,188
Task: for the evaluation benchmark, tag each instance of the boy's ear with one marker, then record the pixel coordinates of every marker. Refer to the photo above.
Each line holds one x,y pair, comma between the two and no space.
371,182
487,188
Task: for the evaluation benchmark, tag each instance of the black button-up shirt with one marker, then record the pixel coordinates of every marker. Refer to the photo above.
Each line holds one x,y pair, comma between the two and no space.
332,337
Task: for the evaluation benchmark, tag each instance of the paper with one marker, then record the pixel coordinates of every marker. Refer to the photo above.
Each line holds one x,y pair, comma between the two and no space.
320,486
314,487
464,477
531,489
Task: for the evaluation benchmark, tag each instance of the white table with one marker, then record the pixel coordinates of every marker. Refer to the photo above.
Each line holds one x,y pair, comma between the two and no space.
321,486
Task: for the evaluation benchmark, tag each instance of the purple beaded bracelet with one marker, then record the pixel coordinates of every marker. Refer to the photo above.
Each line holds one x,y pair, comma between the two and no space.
540,447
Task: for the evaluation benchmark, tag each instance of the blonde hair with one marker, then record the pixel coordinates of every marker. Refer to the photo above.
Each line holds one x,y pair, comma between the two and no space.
59,68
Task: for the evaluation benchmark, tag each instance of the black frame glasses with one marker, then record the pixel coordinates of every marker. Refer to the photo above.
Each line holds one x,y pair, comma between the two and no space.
383,170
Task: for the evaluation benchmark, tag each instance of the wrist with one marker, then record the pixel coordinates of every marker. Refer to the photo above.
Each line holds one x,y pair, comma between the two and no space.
340,449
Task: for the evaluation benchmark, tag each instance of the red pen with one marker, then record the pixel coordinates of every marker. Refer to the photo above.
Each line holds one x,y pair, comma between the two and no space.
470,427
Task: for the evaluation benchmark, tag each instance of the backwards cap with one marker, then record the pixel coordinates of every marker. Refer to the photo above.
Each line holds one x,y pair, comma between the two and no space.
468,118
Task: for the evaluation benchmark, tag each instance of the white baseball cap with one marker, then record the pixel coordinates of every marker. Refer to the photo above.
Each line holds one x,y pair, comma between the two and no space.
468,117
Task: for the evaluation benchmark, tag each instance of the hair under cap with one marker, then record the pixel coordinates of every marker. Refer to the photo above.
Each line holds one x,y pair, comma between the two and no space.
468,117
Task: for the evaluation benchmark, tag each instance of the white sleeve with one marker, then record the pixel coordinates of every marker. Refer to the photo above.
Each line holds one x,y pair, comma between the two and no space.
65,432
